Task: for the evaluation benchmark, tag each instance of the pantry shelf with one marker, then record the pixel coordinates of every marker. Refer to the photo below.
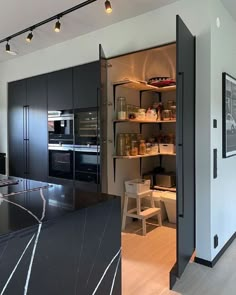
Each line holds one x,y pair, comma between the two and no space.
144,121
144,156
140,157
141,86
162,188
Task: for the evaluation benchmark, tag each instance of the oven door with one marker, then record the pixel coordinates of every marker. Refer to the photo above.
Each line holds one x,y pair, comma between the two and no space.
61,163
87,169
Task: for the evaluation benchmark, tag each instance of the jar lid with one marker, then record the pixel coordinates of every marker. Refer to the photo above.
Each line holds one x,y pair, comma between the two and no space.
121,98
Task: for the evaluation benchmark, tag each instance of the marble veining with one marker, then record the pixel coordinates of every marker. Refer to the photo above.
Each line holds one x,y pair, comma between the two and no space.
57,240
3,198
106,270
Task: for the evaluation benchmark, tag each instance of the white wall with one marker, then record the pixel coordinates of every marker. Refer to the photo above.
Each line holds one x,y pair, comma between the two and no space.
223,189
150,29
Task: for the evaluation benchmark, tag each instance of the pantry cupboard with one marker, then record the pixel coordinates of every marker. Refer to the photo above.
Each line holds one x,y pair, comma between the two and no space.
126,78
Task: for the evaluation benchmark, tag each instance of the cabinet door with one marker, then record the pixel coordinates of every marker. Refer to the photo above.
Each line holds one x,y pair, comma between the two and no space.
185,146
103,120
16,103
85,85
37,124
60,90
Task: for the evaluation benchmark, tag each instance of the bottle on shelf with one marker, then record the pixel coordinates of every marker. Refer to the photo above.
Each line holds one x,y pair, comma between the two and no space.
134,148
142,147
121,108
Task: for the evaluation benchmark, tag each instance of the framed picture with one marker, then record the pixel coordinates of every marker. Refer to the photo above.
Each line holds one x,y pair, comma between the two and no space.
229,115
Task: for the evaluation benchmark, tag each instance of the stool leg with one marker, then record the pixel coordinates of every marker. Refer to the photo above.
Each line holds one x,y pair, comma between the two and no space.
159,219
144,227
124,213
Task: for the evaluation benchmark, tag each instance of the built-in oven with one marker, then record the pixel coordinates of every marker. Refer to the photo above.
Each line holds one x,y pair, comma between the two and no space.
87,164
61,161
60,127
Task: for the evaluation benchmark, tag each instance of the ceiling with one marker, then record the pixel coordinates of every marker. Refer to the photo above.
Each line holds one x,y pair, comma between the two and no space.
230,5
17,15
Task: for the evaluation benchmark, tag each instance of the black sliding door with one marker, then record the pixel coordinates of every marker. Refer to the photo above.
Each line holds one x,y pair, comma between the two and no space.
185,148
102,103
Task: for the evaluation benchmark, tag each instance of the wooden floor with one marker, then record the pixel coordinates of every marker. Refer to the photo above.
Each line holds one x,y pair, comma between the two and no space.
147,260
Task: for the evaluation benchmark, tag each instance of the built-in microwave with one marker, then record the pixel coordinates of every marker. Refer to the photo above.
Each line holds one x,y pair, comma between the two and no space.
60,127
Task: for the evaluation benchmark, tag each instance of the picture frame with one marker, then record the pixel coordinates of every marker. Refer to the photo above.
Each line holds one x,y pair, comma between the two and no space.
229,115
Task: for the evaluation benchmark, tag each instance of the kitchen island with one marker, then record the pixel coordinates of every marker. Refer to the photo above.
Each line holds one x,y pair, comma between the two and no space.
55,239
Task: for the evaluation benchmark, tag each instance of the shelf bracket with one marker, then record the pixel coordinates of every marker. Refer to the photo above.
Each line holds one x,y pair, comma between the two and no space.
114,133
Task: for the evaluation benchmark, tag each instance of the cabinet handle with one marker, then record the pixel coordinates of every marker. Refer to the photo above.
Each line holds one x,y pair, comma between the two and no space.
180,153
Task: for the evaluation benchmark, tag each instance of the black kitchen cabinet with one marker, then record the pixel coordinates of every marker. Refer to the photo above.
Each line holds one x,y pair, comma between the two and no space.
86,84
27,128
60,90
2,163
16,116
38,139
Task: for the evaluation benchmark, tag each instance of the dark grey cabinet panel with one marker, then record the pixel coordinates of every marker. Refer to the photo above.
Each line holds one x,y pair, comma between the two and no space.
60,90
185,146
103,119
86,83
16,114
38,139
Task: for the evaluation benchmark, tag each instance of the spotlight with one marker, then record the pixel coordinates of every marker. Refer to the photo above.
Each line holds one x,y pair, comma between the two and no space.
57,26
108,6
29,37
8,49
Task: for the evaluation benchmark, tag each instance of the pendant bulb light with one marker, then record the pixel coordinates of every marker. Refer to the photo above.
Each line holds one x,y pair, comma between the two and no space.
29,37
108,6
8,47
57,26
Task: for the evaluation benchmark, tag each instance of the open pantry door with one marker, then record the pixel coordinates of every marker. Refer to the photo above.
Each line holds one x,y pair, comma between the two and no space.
102,103
185,148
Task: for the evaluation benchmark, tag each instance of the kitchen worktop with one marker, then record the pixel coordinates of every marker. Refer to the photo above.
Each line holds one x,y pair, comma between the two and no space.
55,239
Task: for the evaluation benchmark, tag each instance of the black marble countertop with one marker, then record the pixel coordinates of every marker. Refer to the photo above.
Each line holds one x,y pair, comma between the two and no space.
55,239
28,202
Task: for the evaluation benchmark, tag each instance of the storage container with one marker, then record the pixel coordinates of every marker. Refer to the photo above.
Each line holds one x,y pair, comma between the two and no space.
165,179
166,148
137,186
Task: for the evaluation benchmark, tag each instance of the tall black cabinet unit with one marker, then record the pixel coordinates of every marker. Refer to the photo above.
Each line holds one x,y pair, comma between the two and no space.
16,126
27,128
37,125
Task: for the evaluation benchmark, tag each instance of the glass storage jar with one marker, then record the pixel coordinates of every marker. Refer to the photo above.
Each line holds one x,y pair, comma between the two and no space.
142,147
121,108
121,143
134,148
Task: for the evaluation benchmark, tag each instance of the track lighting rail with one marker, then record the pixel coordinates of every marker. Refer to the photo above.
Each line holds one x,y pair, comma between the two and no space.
55,17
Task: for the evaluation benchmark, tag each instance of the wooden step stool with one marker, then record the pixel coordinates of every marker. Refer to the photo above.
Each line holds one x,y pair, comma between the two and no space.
139,212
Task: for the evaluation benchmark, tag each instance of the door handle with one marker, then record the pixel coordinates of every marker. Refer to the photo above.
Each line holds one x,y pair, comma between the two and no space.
180,145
